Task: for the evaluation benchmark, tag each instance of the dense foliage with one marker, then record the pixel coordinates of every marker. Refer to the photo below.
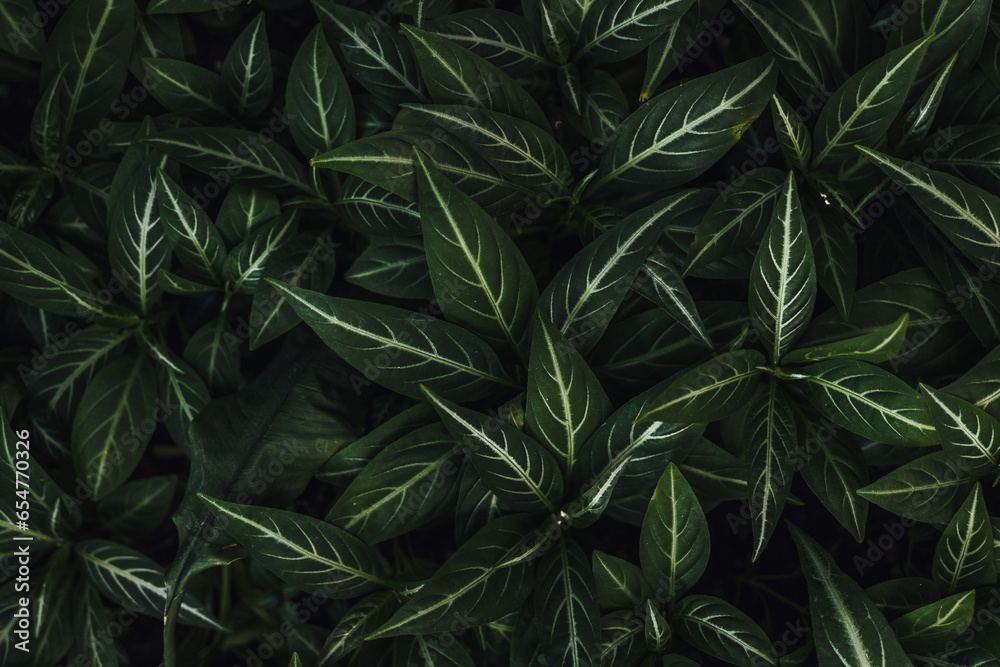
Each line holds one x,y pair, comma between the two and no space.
563,333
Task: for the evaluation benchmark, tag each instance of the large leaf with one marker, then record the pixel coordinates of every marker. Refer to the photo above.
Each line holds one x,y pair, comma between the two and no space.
566,606
934,625
770,448
403,486
863,108
394,267
320,107
38,274
241,155
456,76
930,488
801,58
480,278
514,466
870,402
565,402
400,349
113,424
722,631
246,72
184,87
709,391
848,628
968,435
293,414
680,133
875,347
783,279
374,53
91,41
503,38
614,31
965,213
964,555
307,553
486,579
583,297
135,581
674,543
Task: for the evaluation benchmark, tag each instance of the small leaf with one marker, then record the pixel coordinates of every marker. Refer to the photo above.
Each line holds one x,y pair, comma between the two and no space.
930,488
139,506
674,544
614,31
660,282
515,467
964,556
793,135
394,267
400,349
320,107
848,629
934,625
185,87
189,230
968,435
244,266
722,631
310,554
620,584
246,79
360,621
709,391
875,347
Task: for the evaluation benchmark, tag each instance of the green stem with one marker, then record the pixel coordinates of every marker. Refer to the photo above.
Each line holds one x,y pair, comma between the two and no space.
170,630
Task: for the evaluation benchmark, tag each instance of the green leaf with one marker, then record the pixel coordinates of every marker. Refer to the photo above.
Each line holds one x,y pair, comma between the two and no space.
934,625
246,79
965,213
243,155
375,55
503,38
979,385
59,384
296,413
721,630
480,278
38,274
783,279
582,298
155,37
319,103
930,489
737,218
310,554
517,468
524,153
619,583
657,631
393,267
46,122
133,580
113,424
566,606
457,76
968,435
621,638
420,348
836,255
875,347
213,356
401,488
183,395
793,135
614,31
802,59
674,544
912,127
244,210
360,621
700,119
487,578
138,507
834,472
770,445
185,87
870,402
89,48
304,262
714,474
603,105
189,230
862,109
90,620
18,42
244,266
708,392
896,597
841,26
964,556
847,626
565,402
660,282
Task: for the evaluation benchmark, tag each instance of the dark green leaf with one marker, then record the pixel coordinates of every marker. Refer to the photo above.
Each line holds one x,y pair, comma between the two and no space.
964,556
320,108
